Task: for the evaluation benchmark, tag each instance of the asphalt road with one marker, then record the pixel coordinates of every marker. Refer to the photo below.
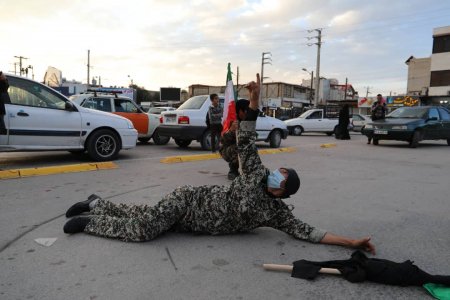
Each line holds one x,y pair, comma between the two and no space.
397,195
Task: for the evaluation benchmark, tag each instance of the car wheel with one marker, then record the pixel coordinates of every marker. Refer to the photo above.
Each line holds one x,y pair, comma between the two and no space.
275,139
298,130
206,141
143,140
376,142
183,143
159,139
416,138
103,144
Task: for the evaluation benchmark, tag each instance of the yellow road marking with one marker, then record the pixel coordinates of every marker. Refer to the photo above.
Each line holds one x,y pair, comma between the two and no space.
328,145
18,173
197,157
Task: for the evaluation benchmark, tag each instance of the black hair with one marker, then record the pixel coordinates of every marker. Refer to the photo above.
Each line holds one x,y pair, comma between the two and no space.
212,96
242,105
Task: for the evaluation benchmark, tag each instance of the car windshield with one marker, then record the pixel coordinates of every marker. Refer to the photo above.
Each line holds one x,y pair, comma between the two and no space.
409,112
303,115
193,103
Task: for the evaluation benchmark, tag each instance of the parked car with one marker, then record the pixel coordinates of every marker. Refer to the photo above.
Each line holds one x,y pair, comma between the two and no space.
411,124
145,123
313,120
187,123
157,110
40,118
358,121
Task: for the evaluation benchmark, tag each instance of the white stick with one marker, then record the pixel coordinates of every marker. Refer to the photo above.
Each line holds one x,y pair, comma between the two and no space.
288,268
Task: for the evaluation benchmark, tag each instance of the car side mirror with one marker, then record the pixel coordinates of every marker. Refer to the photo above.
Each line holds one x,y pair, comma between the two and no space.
69,106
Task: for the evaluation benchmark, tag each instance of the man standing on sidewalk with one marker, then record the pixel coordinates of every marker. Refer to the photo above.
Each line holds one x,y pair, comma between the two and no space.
214,120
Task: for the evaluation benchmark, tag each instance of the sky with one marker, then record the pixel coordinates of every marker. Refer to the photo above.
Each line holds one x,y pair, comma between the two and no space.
174,43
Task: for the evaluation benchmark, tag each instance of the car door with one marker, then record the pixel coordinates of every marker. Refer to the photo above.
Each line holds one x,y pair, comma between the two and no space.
128,109
445,122
263,127
433,124
314,121
358,122
37,117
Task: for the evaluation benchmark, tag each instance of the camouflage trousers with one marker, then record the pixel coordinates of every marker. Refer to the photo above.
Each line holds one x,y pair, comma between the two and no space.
230,155
138,223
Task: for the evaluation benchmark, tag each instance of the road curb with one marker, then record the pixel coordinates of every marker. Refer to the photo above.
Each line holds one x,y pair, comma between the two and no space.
28,172
210,156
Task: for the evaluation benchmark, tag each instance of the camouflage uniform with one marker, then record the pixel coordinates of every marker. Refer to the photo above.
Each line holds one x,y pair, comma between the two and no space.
242,206
228,150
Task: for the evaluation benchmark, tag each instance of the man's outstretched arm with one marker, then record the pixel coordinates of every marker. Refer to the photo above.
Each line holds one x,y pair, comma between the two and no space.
364,243
286,221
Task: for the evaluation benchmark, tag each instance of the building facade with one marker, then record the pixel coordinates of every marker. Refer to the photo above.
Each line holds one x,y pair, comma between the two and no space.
429,78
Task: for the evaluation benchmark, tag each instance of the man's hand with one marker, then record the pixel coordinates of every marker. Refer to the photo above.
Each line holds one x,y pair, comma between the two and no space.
234,126
254,88
364,244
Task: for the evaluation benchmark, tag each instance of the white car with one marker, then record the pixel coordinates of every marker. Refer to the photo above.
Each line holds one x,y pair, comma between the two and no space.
313,120
359,121
146,123
187,123
157,110
41,119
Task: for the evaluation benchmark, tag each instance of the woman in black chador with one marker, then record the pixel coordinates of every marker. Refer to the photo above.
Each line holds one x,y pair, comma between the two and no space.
344,121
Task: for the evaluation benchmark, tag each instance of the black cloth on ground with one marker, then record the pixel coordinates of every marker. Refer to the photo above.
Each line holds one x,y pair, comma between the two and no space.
360,268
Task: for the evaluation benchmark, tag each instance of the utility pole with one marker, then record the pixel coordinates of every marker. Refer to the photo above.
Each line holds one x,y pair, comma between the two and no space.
15,69
266,59
236,96
368,91
311,87
319,44
88,68
345,93
20,64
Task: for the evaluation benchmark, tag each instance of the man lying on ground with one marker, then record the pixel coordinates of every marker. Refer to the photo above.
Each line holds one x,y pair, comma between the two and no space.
252,200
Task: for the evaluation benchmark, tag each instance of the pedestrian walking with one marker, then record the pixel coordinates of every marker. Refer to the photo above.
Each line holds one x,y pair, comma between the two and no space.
344,122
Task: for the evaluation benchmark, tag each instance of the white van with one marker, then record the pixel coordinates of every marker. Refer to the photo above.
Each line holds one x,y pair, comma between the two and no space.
187,123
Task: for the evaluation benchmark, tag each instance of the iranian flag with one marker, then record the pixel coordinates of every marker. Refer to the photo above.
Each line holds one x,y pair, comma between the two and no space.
229,106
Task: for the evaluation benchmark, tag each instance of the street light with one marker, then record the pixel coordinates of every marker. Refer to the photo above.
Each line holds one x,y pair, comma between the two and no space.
311,88
131,80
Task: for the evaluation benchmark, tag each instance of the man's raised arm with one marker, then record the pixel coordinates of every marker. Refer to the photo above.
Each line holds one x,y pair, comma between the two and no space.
247,151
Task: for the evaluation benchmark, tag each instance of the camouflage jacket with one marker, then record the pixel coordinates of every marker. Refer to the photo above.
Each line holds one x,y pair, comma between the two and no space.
245,204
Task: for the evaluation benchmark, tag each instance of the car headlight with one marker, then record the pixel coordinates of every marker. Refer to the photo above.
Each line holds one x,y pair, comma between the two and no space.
400,127
368,126
130,124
